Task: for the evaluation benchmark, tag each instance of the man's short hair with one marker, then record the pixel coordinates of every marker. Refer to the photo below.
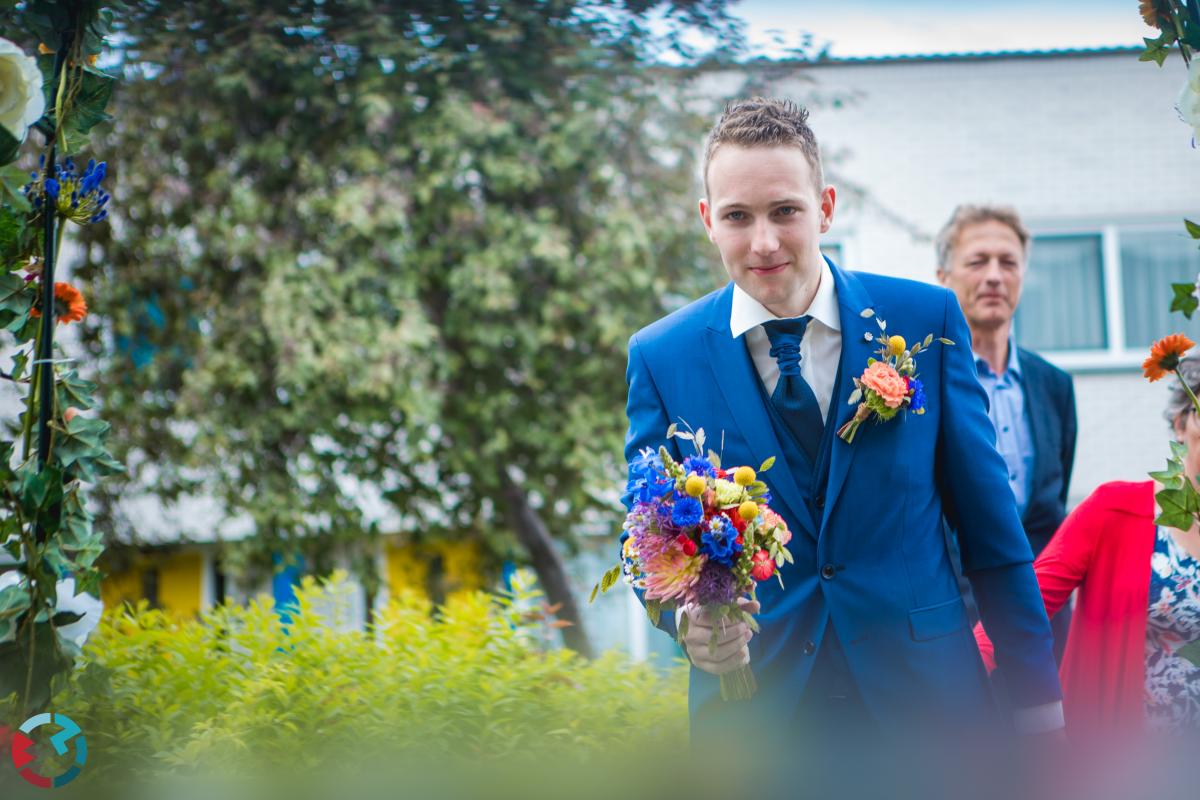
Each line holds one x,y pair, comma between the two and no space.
966,215
765,122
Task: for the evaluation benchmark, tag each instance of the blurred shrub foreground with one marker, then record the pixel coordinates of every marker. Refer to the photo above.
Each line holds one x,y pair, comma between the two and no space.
246,691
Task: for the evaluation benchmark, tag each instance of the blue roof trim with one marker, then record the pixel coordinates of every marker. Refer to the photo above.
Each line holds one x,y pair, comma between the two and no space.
982,55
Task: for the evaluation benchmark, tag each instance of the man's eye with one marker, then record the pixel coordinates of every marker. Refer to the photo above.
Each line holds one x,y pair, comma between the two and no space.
787,211
736,216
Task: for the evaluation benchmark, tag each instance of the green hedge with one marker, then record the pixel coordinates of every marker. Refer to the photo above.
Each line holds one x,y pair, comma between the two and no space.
240,688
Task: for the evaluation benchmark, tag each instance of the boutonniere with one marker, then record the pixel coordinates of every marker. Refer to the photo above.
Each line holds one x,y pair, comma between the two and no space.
889,383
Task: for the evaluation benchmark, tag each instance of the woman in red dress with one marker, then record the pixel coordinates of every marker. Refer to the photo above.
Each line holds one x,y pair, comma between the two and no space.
1139,601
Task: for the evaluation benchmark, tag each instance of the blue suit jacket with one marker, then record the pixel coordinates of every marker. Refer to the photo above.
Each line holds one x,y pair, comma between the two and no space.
1050,404
894,600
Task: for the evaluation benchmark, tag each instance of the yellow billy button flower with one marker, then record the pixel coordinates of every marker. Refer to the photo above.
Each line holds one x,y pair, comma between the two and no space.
695,485
897,344
748,510
744,476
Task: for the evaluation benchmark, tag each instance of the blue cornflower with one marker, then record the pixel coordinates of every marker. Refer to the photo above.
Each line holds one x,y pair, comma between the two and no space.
647,480
700,466
687,511
719,542
917,401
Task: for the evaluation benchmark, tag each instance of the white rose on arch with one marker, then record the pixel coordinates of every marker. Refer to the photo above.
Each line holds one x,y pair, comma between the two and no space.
1189,101
21,100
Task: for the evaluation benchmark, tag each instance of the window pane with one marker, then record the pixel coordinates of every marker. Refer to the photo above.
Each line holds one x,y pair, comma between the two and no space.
1150,263
1062,302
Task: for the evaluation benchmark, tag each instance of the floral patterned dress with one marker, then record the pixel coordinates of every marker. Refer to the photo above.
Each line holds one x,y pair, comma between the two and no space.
1172,682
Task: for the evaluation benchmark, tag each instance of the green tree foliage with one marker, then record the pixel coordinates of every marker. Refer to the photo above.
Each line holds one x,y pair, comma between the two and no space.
398,246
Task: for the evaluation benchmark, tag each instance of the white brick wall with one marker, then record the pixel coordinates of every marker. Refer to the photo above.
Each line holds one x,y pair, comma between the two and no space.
1085,139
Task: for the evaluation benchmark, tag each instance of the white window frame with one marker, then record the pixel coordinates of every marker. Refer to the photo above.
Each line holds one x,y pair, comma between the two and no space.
1117,355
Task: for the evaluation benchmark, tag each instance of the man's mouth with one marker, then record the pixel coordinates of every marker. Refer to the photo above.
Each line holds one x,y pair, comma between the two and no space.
769,269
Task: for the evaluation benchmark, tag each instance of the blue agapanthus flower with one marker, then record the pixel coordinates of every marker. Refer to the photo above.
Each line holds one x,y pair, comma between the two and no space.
700,466
76,196
647,480
917,401
719,542
687,511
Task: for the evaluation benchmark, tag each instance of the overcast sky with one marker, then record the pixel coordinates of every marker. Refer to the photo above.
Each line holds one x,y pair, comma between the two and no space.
905,27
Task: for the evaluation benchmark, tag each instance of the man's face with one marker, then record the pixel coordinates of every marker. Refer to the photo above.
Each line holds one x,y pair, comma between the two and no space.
765,214
987,265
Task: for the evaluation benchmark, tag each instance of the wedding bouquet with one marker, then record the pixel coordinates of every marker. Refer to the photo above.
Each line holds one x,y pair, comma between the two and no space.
702,535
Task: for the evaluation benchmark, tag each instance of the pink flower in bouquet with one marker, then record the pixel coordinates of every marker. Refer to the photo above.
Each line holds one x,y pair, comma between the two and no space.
772,521
886,382
670,572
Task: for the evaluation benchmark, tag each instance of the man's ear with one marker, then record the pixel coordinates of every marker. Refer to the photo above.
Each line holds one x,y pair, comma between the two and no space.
943,275
706,217
828,201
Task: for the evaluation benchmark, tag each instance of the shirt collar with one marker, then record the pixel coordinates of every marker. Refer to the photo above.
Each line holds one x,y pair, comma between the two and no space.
1014,361
748,313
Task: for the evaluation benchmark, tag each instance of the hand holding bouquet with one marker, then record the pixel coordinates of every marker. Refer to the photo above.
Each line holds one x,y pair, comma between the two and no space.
700,535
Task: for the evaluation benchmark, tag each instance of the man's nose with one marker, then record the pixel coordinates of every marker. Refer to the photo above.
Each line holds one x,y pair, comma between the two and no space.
992,272
765,241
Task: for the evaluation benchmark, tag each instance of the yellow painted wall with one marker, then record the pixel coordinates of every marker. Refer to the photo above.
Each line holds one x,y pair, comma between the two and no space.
179,583
179,578
121,587
462,566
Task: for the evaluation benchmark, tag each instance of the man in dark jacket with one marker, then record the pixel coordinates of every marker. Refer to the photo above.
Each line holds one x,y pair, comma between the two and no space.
982,257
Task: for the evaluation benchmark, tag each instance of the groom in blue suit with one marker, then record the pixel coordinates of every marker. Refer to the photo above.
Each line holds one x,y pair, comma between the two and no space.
871,632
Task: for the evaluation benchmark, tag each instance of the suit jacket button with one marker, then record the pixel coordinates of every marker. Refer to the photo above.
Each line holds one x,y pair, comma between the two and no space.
809,648
820,501
828,571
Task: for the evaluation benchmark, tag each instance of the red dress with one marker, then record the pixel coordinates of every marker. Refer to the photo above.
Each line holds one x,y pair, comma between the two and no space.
1103,548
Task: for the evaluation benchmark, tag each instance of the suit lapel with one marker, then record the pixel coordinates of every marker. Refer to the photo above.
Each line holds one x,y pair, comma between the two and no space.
856,349
735,376
1035,397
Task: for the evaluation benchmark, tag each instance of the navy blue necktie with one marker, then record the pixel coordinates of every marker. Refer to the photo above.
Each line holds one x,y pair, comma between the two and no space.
793,398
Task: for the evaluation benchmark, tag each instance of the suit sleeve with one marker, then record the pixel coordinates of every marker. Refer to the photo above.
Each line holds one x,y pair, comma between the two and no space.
647,428
996,555
1062,566
1070,428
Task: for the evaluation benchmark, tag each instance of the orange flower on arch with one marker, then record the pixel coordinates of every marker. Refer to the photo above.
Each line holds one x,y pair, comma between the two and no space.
1165,355
68,303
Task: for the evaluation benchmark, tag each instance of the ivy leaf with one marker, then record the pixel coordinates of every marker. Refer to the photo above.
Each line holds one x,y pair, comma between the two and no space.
1184,299
15,295
14,600
1155,51
47,661
75,391
1178,507
1193,229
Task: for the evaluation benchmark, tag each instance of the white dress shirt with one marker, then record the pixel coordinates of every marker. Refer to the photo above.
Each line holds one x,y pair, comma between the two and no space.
820,349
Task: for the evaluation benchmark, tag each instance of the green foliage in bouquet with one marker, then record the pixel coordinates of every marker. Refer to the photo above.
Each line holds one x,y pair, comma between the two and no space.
240,688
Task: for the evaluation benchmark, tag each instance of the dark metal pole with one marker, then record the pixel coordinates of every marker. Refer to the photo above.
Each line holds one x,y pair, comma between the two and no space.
45,354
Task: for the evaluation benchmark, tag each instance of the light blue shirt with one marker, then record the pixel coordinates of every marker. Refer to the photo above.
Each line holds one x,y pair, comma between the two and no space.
1006,407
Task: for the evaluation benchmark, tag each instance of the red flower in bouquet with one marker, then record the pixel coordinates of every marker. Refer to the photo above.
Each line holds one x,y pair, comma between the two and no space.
764,566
